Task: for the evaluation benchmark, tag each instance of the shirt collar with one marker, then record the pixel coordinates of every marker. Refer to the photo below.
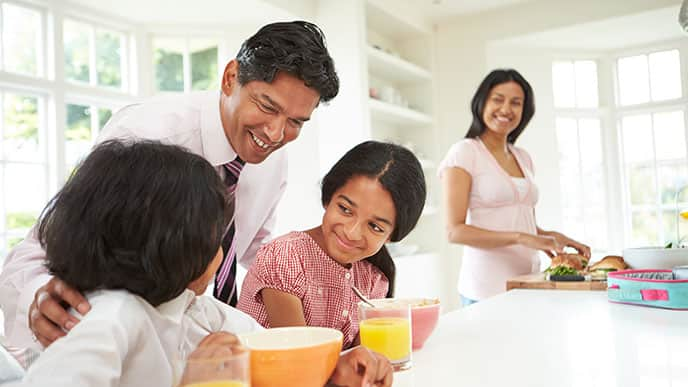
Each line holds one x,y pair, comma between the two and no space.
175,308
216,147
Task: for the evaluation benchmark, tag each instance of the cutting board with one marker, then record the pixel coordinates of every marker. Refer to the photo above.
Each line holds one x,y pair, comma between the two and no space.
538,281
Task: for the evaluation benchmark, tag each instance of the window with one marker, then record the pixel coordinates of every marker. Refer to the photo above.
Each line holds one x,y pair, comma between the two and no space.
38,151
581,161
22,43
649,78
84,122
22,154
185,64
655,167
93,55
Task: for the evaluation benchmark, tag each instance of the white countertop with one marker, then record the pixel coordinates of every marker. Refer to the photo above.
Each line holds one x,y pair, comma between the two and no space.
553,338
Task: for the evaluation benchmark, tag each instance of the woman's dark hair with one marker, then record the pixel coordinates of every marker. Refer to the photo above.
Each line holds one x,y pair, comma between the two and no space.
140,216
296,47
400,173
497,77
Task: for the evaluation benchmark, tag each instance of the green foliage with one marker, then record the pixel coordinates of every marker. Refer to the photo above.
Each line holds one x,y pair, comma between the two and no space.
78,123
108,59
21,117
76,51
13,242
204,69
169,74
20,220
103,117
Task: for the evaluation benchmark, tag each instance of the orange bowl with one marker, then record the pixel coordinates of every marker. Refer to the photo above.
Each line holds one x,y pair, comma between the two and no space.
425,312
293,356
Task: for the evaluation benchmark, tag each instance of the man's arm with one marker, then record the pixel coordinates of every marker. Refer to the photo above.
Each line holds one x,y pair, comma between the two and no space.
22,274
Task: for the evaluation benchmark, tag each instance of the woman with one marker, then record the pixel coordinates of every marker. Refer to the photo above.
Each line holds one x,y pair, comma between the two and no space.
490,193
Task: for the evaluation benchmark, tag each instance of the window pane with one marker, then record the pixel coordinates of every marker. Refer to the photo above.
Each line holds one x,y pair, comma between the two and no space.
168,60
590,144
633,80
573,223
637,138
669,219
108,58
665,75
670,135
593,193
21,137
203,65
567,143
641,181
76,51
78,137
103,117
21,39
586,83
645,228
671,178
563,79
596,227
25,195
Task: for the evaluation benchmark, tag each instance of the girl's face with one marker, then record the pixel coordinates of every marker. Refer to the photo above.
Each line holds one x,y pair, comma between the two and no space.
358,220
504,108
200,284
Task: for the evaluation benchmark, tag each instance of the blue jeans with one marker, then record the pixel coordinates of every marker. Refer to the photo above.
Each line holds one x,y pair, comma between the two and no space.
465,301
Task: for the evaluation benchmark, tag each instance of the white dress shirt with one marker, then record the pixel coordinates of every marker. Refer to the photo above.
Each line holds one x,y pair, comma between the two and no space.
189,120
124,341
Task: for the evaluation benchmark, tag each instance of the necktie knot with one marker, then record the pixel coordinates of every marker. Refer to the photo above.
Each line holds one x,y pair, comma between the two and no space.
232,171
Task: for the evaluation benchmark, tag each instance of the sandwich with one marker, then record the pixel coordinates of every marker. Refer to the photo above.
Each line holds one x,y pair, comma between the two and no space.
608,264
567,264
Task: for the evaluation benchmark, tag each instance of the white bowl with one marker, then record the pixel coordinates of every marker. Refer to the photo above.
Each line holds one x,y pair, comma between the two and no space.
655,257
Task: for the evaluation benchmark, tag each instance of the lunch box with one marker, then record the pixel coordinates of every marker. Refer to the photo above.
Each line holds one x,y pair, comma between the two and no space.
656,288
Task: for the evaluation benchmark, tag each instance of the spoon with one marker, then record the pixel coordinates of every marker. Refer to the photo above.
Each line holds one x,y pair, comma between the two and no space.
361,296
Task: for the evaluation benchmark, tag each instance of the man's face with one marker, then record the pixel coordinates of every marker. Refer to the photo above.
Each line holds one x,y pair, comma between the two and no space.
260,117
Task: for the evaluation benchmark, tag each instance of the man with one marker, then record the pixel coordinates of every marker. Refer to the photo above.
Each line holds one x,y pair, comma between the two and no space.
279,77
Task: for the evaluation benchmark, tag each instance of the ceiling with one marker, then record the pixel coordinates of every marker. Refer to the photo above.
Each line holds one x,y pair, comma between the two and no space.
203,12
631,30
257,11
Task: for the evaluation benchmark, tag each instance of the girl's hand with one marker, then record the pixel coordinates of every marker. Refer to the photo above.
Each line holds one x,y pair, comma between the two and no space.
546,243
565,241
216,345
360,366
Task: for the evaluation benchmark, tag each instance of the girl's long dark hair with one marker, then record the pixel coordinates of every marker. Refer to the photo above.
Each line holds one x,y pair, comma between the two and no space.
400,173
497,77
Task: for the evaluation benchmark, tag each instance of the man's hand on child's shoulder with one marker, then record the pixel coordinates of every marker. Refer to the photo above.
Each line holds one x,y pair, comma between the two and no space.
48,316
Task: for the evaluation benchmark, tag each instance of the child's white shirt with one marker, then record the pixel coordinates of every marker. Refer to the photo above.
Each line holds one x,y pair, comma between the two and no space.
124,341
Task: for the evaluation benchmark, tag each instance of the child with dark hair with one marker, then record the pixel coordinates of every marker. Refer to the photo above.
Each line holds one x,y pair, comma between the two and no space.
137,229
374,194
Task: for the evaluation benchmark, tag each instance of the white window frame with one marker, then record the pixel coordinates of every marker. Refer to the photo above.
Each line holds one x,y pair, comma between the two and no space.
618,112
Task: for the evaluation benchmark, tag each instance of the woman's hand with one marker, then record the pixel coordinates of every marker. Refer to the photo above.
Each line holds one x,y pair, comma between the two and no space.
565,241
549,244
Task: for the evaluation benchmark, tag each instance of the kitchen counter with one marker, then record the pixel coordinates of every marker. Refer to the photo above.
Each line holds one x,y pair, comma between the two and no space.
533,338
539,281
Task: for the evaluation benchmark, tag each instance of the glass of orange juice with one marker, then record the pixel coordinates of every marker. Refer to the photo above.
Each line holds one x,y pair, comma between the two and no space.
218,367
387,330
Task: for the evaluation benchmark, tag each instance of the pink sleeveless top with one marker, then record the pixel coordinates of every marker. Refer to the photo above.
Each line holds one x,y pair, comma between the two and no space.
494,204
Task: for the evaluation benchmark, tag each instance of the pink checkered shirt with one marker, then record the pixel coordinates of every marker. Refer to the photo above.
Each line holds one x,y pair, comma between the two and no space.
295,264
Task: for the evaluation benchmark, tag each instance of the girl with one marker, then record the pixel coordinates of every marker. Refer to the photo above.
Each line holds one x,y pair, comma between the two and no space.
490,193
137,229
372,195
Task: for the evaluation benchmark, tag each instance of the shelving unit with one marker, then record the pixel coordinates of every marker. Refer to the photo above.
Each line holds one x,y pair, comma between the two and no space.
400,80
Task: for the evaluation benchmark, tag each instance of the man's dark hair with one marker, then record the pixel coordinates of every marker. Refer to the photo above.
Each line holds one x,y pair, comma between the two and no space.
296,47
494,78
400,173
140,216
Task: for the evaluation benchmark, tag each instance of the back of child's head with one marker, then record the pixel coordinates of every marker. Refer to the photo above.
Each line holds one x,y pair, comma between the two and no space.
399,172
139,216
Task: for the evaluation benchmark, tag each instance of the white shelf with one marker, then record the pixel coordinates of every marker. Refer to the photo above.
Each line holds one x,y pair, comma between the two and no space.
398,115
395,69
